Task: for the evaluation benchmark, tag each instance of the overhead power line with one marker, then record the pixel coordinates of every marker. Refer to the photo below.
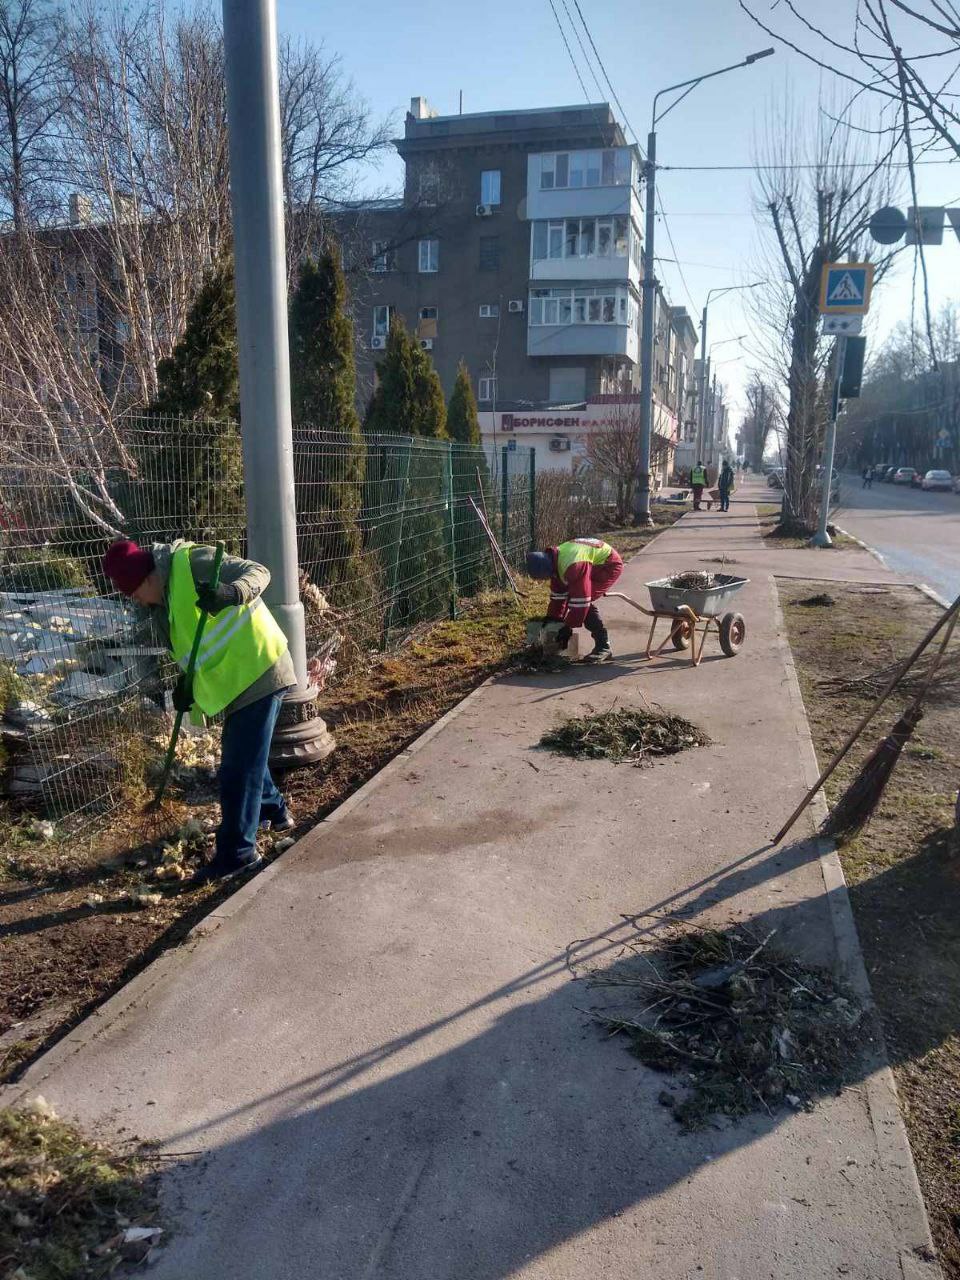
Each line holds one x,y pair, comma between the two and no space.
754,168
603,69
566,45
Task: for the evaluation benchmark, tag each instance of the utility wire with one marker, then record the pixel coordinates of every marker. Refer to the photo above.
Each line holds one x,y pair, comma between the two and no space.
755,168
586,56
566,45
613,91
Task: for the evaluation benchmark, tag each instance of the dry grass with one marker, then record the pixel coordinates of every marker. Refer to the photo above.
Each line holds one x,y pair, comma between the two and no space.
903,869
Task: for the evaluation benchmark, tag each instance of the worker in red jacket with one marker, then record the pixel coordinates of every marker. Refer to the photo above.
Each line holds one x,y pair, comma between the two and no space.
580,572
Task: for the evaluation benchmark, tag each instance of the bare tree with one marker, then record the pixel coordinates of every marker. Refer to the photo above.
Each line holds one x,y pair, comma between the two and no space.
614,451
760,420
812,214
32,64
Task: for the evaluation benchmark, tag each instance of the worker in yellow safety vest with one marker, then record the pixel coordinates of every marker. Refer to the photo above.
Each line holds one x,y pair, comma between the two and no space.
243,669
580,572
698,482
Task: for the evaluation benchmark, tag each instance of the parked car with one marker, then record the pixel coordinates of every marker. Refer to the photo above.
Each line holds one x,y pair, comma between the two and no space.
775,478
886,474
937,480
904,475
956,484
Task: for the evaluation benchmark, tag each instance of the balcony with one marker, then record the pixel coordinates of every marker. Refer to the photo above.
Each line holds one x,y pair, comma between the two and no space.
584,249
571,183
583,320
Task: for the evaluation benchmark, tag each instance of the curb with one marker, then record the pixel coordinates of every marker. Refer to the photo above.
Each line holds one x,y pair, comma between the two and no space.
865,546
905,1206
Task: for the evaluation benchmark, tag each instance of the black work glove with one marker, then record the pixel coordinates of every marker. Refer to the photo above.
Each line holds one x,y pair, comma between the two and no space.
183,695
213,599
563,635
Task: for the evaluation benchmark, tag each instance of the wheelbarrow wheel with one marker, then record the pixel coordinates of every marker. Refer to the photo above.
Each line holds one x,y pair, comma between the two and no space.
733,631
680,635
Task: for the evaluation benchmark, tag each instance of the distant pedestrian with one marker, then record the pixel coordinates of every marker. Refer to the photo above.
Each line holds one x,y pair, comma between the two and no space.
868,477
698,482
725,485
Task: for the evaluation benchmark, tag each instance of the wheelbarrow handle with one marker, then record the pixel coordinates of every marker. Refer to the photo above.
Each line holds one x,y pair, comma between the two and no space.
618,595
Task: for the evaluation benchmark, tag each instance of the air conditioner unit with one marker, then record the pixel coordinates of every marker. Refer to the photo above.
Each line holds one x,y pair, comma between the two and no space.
484,210
377,343
516,305
560,444
426,344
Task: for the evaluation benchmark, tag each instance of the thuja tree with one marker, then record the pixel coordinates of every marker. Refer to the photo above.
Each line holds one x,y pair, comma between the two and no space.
330,468
408,482
470,475
191,459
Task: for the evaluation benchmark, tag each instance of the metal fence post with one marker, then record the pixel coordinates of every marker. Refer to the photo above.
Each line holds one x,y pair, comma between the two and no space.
533,498
448,485
504,496
395,567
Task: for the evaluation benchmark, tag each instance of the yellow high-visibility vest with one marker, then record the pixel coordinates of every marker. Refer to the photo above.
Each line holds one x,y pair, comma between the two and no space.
593,549
239,644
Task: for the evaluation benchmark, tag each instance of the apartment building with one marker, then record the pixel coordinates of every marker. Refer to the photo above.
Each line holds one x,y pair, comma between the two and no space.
517,249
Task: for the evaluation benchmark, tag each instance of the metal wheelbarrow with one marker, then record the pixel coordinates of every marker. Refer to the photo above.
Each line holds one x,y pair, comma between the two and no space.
686,608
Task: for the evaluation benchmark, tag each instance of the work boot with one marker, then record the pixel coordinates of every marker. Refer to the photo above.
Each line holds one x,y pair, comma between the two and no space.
217,871
600,653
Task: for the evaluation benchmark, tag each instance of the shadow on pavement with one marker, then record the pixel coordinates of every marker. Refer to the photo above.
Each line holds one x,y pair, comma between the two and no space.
432,1156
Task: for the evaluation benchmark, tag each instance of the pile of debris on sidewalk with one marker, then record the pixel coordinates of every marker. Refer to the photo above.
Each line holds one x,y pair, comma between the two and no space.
632,734
749,1028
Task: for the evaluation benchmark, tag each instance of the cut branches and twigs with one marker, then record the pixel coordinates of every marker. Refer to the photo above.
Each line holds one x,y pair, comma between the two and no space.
946,681
625,734
70,1206
750,1028
693,580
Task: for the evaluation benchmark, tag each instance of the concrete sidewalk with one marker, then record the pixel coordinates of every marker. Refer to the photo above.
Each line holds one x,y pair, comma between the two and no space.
378,1048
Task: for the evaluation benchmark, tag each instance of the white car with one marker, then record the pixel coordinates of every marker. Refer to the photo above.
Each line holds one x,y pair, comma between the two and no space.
904,475
937,480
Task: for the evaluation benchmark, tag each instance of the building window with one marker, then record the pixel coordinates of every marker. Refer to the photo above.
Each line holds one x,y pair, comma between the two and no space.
489,253
428,313
487,389
429,255
582,238
429,183
589,304
489,310
490,186
381,321
382,257
610,168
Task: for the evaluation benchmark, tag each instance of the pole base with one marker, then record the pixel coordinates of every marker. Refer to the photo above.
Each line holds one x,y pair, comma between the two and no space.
301,737
821,540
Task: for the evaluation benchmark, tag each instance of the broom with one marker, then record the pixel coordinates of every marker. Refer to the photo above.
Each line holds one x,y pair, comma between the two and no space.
858,803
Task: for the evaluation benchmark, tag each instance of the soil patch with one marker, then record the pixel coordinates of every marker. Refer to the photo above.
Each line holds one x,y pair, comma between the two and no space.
903,869
78,918
71,1207
632,734
751,1029
768,517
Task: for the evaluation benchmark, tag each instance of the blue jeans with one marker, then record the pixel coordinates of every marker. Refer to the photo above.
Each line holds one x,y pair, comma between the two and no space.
248,794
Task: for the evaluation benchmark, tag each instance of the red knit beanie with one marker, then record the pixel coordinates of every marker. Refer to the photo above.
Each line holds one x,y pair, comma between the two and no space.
127,565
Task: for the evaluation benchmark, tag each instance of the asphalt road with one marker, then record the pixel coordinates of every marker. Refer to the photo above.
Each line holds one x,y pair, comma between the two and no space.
917,533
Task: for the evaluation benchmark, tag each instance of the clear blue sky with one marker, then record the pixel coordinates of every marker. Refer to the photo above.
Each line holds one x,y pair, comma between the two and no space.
508,54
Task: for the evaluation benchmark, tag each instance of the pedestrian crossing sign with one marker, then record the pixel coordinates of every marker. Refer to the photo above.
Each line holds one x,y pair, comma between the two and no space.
845,288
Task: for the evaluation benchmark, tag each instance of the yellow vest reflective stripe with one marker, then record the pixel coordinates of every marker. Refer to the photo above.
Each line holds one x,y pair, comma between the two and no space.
698,475
593,549
239,644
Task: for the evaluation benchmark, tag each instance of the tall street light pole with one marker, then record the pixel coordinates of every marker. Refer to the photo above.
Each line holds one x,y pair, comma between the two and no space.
706,444
650,280
704,371
256,191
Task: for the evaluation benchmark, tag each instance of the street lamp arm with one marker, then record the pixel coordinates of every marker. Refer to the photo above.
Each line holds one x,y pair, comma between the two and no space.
690,85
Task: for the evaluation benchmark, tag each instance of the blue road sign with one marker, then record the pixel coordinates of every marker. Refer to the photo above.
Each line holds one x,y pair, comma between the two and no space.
845,288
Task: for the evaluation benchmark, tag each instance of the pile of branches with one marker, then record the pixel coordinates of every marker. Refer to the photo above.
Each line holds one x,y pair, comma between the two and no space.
871,685
693,580
630,734
750,1028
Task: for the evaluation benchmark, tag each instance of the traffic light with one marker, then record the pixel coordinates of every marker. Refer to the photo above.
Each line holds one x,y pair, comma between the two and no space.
852,376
